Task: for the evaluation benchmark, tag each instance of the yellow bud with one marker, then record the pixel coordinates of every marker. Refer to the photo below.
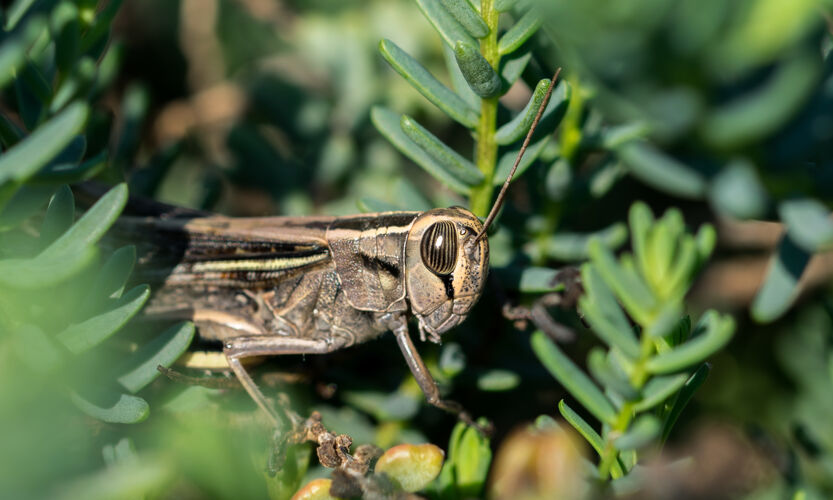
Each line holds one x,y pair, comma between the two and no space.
411,467
317,489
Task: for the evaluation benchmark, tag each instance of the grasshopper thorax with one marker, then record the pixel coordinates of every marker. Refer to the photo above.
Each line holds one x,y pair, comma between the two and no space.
445,268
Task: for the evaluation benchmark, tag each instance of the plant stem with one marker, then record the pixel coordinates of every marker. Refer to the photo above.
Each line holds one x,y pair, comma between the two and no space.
486,153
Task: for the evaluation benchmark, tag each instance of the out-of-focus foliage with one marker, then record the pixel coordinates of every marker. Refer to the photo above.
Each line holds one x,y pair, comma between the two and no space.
255,107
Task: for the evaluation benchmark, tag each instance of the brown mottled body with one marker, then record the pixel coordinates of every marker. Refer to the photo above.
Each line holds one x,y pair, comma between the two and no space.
307,285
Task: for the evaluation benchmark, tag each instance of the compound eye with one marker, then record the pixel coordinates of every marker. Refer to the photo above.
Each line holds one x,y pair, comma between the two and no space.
439,247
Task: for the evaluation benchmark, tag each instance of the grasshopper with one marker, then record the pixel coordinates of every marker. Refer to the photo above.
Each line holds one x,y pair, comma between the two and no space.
267,286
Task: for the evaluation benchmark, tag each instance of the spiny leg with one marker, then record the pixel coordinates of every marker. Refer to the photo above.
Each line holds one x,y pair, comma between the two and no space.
244,347
424,379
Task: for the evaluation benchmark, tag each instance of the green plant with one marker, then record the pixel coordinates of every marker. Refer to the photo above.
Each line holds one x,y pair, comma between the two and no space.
646,372
483,66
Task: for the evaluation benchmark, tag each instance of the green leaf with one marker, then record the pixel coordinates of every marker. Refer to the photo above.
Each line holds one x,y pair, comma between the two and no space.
77,84
512,65
583,428
471,458
599,367
10,133
737,191
641,433
66,31
808,223
70,173
388,124
665,321
468,18
654,168
641,220
25,202
140,368
445,158
628,286
458,81
60,214
83,336
572,378
658,389
517,128
683,397
13,49
507,159
780,286
760,112
718,332
477,71
568,246
524,28
540,280
117,409
33,92
424,82
92,226
504,5
111,280
604,314
35,151
441,19
498,381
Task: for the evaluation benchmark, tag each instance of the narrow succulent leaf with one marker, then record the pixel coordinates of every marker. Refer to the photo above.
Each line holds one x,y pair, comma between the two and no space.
113,276
445,157
504,5
66,30
471,459
507,159
662,244
659,389
468,18
520,32
35,151
69,173
81,337
808,223
683,397
718,332
683,268
99,31
737,191
35,348
388,124
512,66
425,83
572,378
441,19
762,111
25,202
642,432
780,285
76,85
517,128
641,221
92,225
540,280
604,314
13,49
665,320
580,425
654,168
33,92
498,381
60,214
477,71
706,240
119,409
140,368
458,81
625,283
598,366
568,246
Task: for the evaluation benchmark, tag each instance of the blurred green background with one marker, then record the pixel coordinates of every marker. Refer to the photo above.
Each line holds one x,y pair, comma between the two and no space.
263,107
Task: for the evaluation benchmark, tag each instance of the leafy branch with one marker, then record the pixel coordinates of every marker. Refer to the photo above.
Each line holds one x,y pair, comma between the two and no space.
640,383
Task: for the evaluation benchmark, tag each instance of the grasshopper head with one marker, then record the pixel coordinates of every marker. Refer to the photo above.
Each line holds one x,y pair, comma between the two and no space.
445,268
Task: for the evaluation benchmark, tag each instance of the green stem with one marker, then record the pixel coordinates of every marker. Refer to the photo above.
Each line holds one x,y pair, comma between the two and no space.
486,153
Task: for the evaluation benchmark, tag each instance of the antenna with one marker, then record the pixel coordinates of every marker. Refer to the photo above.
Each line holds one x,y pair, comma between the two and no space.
502,194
